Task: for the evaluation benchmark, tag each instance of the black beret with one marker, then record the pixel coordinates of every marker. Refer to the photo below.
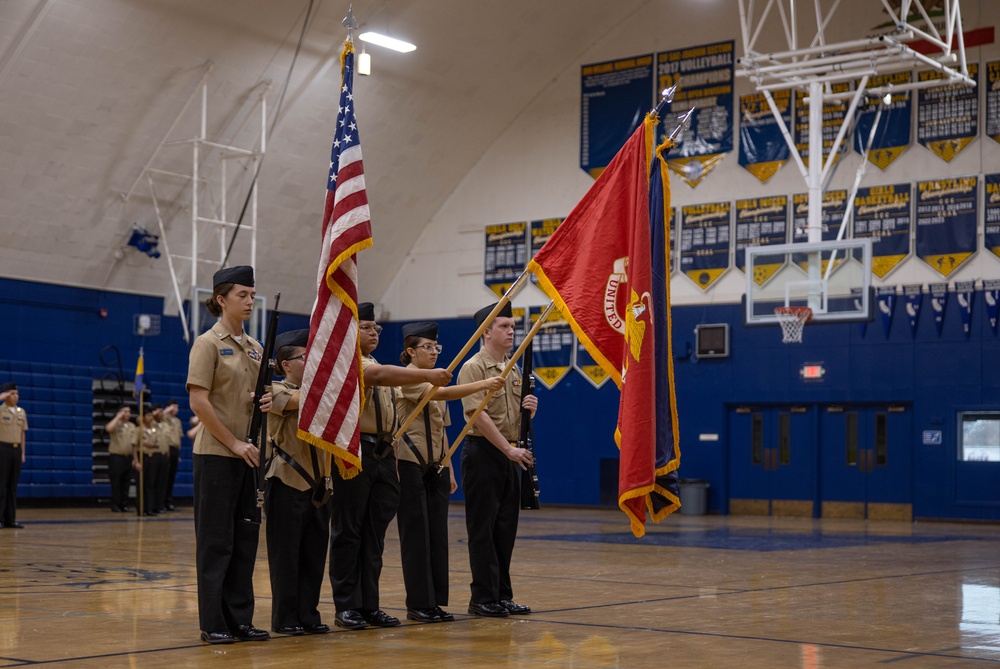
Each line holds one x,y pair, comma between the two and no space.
366,311
10,385
156,407
421,329
292,338
481,315
241,274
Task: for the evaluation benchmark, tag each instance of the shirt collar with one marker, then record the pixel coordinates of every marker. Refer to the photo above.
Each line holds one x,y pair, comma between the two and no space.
221,332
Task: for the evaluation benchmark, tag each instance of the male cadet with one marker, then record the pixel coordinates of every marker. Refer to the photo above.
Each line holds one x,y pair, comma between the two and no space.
162,458
150,464
174,431
491,479
297,530
364,505
123,456
13,425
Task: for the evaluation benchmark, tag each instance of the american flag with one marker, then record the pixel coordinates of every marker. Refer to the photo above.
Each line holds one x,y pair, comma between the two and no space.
331,383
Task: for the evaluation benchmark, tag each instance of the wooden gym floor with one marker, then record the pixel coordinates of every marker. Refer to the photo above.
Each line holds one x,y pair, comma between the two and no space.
89,588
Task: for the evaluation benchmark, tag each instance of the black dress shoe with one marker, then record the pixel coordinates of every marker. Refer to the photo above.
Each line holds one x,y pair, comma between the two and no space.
126,508
423,615
14,526
217,637
171,507
318,628
515,609
250,633
489,609
290,630
350,619
443,615
379,618
117,509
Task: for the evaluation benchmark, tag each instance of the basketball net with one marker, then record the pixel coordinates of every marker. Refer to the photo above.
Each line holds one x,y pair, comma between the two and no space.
792,320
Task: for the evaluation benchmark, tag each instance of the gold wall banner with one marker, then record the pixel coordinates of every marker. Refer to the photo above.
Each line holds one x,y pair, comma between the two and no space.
761,221
586,365
884,214
506,255
946,222
705,233
763,149
948,116
552,348
834,208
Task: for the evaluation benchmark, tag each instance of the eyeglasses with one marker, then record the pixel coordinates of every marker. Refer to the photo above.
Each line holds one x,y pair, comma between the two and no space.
369,328
437,348
298,357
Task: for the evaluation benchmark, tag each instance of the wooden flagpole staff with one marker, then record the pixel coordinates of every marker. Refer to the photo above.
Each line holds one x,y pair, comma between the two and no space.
508,294
503,375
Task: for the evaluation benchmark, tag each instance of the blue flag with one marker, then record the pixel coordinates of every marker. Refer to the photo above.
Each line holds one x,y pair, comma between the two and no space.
139,371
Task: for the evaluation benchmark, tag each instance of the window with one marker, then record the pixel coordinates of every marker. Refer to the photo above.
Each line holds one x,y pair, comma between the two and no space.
980,437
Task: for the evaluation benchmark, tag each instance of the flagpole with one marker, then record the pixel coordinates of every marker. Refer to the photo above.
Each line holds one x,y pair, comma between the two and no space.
508,294
666,97
503,375
142,433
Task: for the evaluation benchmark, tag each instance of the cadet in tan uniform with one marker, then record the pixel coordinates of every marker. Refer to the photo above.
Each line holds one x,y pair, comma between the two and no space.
151,464
364,506
222,373
491,477
297,529
123,456
162,457
13,425
426,479
174,431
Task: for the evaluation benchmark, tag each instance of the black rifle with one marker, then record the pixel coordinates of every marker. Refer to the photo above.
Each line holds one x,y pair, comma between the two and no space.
529,479
257,435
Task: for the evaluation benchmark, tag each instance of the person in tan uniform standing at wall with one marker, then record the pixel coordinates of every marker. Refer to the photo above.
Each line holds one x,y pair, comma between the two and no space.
13,425
174,432
298,516
123,456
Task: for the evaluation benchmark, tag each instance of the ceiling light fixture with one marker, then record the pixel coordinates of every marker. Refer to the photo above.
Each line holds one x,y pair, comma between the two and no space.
387,42
364,62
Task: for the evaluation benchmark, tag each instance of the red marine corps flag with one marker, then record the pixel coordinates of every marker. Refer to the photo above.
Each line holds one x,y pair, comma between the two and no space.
332,383
607,269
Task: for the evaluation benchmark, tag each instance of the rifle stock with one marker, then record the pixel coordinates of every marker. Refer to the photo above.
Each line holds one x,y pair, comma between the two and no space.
257,434
529,477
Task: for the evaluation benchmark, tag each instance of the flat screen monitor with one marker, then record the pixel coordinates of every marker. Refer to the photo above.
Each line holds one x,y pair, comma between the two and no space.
712,340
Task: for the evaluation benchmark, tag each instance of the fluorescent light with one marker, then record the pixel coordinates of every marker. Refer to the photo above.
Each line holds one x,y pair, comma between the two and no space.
387,42
364,63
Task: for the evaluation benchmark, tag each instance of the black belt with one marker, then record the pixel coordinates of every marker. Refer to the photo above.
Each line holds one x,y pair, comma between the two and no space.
481,440
4,443
380,448
369,439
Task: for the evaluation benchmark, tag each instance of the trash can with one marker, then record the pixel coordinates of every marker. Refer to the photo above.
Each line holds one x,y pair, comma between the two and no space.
694,496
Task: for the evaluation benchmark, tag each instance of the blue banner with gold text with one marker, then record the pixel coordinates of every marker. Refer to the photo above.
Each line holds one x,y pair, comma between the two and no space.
586,365
884,214
834,208
614,97
834,113
506,255
893,134
991,216
763,149
947,116
993,100
761,221
705,242
552,348
946,222
540,233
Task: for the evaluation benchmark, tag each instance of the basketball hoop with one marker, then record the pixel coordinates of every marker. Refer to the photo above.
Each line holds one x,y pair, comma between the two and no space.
792,320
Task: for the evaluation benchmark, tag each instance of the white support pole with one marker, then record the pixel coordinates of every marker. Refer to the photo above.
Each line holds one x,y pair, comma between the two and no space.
170,261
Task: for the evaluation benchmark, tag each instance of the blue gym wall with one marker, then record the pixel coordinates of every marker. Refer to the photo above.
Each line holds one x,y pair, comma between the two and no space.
57,333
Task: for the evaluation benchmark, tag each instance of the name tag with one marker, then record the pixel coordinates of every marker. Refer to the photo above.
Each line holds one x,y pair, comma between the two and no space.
225,351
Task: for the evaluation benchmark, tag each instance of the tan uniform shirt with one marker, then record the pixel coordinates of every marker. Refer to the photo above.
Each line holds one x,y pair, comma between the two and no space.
387,404
173,430
282,426
505,405
164,435
228,369
150,435
408,398
123,438
13,424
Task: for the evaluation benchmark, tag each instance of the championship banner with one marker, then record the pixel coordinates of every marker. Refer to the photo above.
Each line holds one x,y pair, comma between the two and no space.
519,315
586,365
991,238
506,255
761,222
993,100
913,296
948,116
614,98
991,294
704,242
893,134
939,302
946,222
886,296
705,74
763,149
540,233
884,214
834,113
552,348
834,208
965,295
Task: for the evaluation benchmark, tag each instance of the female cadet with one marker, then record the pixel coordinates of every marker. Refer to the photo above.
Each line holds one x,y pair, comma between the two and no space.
221,376
426,478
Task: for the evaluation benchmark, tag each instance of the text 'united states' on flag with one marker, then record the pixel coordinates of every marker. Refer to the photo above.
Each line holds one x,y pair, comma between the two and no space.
331,393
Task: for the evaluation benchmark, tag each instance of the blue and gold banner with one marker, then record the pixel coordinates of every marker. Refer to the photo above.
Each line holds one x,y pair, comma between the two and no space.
552,348
946,222
614,97
761,221
763,149
834,208
886,297
913,296
834,113
948,116
506,255
540,233
991,238
939,302
586,365
991,295
993,100
893,134
705,242
520,329
965,295
706,75
884,214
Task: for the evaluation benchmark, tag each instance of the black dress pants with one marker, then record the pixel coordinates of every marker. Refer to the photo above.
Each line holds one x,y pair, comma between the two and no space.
225,542
175,458
119,475
10,471
423,534
492,486
151,475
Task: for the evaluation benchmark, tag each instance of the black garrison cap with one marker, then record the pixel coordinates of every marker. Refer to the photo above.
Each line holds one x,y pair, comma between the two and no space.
422,329
10,385
241,274
481,315
292,338
366,311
